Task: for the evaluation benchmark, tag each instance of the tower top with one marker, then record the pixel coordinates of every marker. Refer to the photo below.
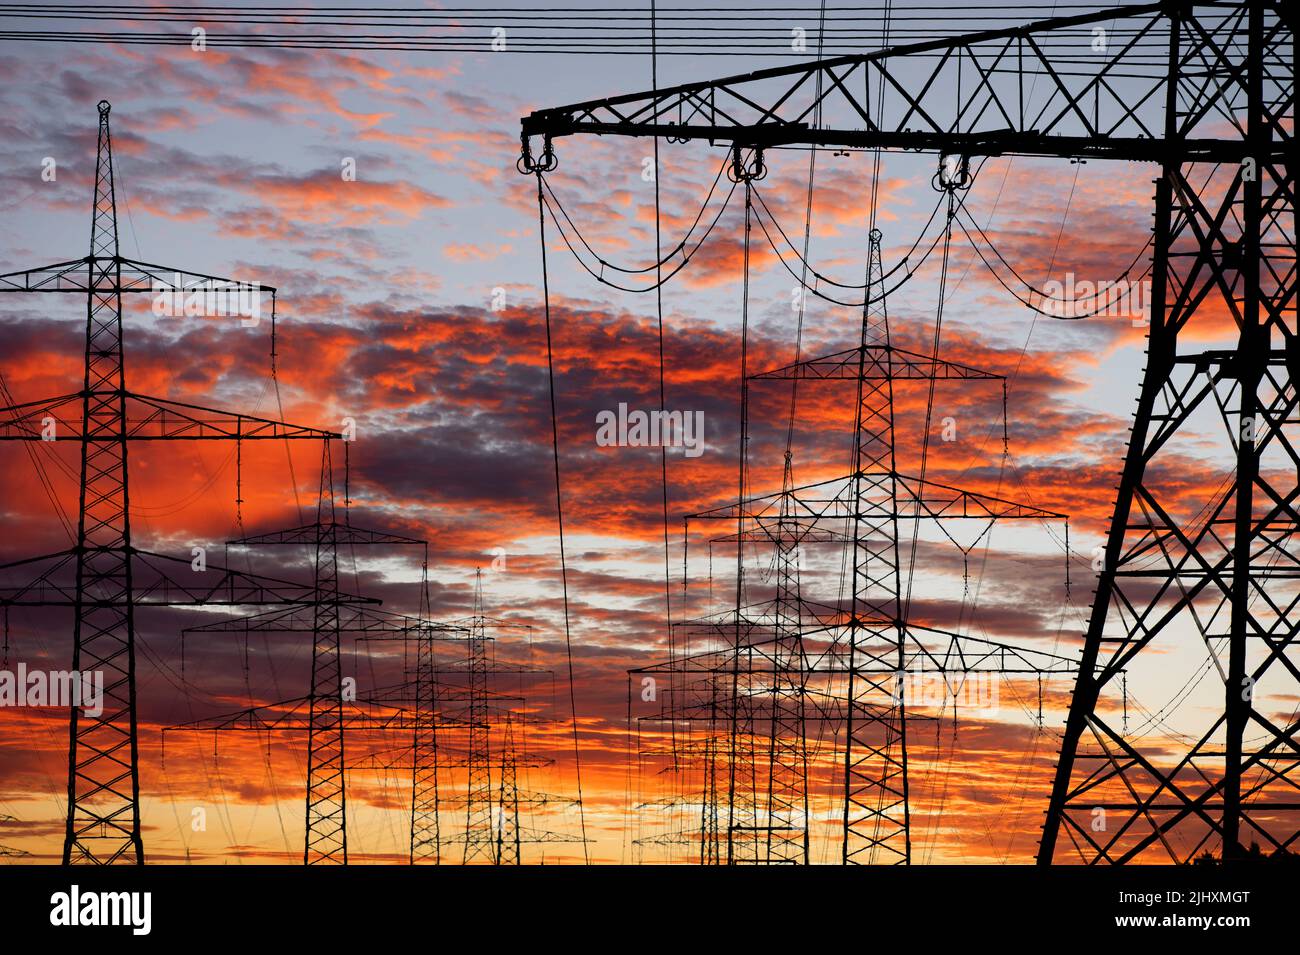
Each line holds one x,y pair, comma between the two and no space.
104,107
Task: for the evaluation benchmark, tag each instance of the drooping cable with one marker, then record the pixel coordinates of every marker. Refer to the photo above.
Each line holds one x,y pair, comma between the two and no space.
660,259
906,263
559,514
598,274
787,479
659,314
806,265
734,728
279,406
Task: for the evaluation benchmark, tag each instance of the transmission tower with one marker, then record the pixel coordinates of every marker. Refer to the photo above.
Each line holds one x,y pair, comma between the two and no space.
426,831
493,831
497,803
393,707
326,799
435,701
104,577
7,851
875,644
508,837
478,802
1206,93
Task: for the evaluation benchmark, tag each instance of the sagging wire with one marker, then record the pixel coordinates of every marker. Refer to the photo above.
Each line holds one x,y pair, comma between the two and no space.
662,279
867,300
347,483
279,405
823,279
545,164
659,313
660,260
239,477
1057,307
739,171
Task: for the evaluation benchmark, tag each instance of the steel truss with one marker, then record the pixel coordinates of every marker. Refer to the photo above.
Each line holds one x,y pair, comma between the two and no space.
104,577
1206,91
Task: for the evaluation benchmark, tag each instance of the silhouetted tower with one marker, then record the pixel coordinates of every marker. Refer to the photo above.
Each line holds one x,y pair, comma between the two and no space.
111,575
507,848
327,834
479,827
1206,93
787,758
460,698
403,708
426,831
875,755
326,801
878,644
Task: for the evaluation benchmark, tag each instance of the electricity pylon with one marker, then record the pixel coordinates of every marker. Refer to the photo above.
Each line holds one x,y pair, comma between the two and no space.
460,695
326,798
390,707
877,644
104,577
1206,93
479,835
492,831
7,851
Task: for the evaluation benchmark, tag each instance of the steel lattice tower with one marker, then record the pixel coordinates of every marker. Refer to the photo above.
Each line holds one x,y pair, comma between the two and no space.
1206,93
103,634
875,754
507,824
326,806
426,832
859,688
787,758
479,828
111,576
327,724
427,705
1224,572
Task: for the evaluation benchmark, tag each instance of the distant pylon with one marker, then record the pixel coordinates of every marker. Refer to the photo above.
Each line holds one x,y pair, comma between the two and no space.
327,807
426,830
861,678
507,851
326,799
478,805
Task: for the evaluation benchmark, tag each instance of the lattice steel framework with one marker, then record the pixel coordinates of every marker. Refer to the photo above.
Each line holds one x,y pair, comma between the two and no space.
426,831
461,703
326,799
407,708
1206,91
507,822
480,839
110,576
872,645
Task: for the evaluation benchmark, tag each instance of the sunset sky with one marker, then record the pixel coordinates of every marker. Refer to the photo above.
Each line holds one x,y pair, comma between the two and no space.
229,162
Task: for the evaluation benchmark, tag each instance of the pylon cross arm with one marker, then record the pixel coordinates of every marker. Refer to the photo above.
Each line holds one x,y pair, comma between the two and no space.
146,419
158,580
958,96
131,276
293,716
